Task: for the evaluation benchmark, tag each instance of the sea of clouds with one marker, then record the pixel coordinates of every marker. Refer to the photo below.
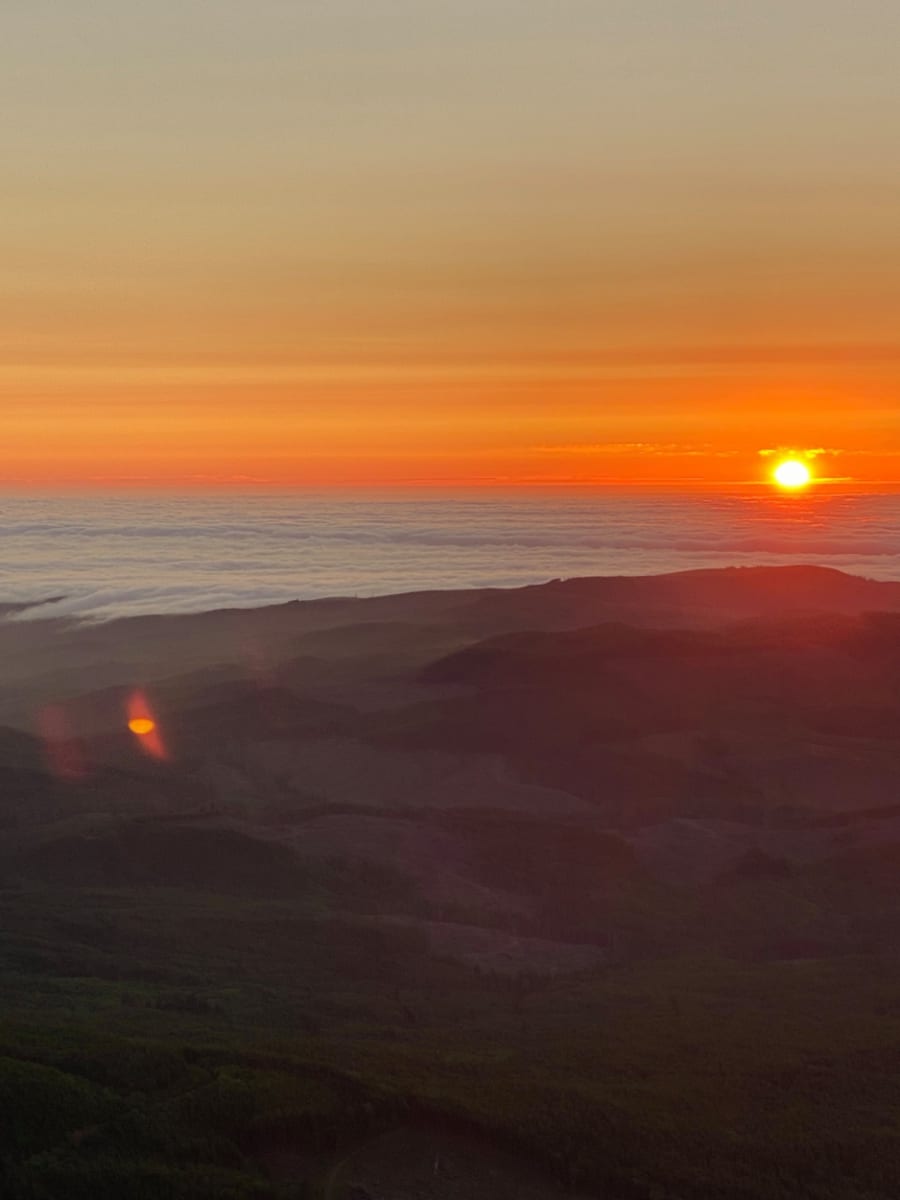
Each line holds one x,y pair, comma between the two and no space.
129,554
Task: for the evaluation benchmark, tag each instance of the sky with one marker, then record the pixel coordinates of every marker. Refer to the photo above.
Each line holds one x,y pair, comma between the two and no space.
455,242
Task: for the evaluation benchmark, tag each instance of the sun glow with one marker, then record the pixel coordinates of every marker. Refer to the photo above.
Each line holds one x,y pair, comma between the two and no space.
792,474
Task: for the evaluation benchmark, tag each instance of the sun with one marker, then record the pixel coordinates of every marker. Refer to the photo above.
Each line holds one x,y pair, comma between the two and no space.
791,474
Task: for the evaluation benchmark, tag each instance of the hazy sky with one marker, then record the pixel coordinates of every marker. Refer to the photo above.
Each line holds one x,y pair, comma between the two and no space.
361,241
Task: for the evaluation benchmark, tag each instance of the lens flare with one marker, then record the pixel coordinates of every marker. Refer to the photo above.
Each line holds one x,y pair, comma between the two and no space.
141,726
141,721
62,748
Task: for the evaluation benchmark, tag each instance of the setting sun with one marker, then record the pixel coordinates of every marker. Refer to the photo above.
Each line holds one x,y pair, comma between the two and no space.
792,474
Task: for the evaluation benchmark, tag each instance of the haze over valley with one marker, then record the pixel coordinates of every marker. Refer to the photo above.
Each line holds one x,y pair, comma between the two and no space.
603,825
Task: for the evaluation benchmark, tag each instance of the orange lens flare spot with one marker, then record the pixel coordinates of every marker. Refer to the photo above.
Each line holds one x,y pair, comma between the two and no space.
141,726
792,474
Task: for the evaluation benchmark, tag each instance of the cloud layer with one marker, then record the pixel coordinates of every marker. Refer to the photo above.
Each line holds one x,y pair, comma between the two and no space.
116,556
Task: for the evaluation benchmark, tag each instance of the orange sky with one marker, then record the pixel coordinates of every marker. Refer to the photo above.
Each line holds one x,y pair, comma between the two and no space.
410,243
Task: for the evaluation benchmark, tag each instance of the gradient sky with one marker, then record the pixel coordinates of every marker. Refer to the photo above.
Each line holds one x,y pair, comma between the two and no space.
448,241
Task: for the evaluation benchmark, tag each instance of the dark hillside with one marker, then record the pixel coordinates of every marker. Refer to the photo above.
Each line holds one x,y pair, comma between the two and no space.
581,889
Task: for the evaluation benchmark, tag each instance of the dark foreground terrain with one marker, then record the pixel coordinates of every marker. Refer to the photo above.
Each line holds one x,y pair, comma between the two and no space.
584,889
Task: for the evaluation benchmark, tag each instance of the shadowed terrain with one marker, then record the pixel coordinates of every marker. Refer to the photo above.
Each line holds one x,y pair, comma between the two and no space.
593,885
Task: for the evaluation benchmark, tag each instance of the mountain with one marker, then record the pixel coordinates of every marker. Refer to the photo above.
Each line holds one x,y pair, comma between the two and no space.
487,876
